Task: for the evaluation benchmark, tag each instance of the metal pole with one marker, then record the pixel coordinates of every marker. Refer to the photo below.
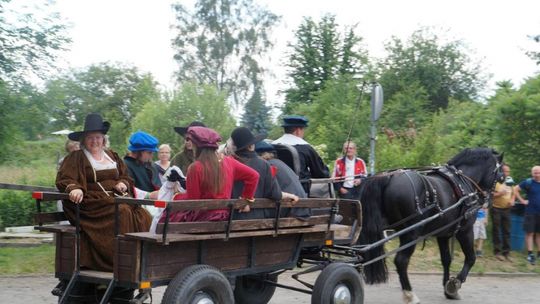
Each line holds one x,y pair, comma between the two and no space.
376,108
372,147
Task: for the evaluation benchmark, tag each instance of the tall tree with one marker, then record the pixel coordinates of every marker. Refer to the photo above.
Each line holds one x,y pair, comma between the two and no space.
444,70
517,114
117,92
191,102
256,115
535,55
30,41
221,43
321,53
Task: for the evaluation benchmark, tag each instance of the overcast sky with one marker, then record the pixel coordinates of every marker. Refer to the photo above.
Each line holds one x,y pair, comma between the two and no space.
138,31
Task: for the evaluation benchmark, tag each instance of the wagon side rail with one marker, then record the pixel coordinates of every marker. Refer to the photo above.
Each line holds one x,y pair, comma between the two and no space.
227,227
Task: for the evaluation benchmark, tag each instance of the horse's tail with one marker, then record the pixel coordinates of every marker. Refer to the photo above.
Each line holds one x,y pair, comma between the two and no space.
371,195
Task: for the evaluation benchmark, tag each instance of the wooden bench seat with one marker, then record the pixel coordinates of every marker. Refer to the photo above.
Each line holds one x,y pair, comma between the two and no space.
180,237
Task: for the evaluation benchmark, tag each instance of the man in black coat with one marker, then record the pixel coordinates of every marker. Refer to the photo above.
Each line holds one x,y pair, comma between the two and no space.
268,187
311,164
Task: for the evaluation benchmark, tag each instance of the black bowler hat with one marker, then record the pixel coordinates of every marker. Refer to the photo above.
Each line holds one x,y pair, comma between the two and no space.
242,138
92,123
183,130
295,121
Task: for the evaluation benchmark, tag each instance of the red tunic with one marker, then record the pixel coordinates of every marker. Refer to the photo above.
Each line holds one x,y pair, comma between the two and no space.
232,171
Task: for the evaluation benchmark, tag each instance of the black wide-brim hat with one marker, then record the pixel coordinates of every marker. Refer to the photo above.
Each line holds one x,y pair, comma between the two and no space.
242,138
183,130
92,123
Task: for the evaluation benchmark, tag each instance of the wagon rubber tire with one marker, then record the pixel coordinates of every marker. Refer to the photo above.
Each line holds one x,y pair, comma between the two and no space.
338,279
196,282
252,290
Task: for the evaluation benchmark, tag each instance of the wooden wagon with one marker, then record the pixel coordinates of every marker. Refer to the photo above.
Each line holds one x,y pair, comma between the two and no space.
234,261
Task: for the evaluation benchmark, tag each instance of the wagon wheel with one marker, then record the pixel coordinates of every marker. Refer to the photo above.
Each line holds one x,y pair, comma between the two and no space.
198,284
338,283
253,289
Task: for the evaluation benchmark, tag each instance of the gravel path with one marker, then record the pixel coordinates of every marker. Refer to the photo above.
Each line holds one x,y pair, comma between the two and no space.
477,290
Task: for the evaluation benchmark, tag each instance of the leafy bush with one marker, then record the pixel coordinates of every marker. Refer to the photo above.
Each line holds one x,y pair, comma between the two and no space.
17,208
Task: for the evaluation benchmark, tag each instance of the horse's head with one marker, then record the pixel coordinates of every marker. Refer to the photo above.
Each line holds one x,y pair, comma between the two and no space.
483,165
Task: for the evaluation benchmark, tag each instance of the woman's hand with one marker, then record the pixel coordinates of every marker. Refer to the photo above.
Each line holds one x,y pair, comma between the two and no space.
120,187
76,195
153,195
289,196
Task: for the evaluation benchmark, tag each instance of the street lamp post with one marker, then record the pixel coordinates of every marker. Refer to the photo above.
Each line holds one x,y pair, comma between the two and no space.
376,108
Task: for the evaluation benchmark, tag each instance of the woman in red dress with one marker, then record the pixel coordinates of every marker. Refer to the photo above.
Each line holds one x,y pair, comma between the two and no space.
212,177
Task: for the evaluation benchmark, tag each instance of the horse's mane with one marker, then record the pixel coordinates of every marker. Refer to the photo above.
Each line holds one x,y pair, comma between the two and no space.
470,156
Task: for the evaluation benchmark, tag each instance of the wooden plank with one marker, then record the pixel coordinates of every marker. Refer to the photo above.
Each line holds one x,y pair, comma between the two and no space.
25,187
60,228
240,225
97,274
152,237
173,253
65,253
272,244
48,217
127,259
259,203
229,263
273,258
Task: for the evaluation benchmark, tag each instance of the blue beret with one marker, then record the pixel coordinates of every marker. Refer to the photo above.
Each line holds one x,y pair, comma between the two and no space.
141,141
295,121
263,146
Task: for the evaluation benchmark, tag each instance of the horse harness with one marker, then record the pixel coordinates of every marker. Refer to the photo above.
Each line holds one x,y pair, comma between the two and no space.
461,184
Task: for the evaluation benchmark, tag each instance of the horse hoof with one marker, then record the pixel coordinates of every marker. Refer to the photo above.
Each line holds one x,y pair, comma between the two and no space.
410,297
451,289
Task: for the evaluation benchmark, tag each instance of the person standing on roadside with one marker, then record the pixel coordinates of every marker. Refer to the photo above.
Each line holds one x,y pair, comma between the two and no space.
531,222
503,200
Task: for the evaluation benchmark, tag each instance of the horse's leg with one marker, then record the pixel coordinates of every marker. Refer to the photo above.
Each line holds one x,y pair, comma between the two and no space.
446,258
402,263
466,240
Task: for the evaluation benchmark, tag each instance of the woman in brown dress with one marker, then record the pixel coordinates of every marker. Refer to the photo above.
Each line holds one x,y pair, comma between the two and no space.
92,177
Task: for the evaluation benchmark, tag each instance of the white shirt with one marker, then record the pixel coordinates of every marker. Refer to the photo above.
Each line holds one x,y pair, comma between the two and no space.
349,171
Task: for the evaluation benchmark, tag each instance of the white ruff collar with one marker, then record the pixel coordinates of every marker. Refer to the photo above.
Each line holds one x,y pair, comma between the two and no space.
289,139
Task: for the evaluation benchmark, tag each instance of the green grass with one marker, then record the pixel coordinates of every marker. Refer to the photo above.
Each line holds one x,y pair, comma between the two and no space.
428,260
27,260
32,163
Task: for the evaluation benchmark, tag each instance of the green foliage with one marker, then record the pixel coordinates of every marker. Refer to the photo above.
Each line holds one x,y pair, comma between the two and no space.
320,53
116,92
331,115
8,131
17,208
29,41
516,128
443,70
411,104
222,43
535,55
192,102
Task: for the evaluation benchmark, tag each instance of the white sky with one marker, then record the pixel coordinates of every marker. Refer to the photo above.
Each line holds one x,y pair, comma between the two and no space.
138,31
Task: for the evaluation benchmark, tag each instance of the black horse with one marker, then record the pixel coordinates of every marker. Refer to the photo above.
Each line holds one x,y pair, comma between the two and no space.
438,201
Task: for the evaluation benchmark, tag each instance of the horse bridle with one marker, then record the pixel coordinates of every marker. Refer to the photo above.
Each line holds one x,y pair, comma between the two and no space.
481,192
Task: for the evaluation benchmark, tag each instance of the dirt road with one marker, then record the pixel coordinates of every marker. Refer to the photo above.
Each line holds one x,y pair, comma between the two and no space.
477,290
